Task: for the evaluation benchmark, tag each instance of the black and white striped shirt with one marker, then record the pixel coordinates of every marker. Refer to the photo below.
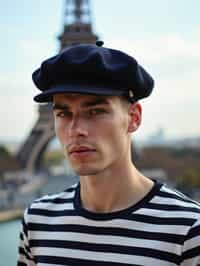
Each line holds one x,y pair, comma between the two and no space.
163,229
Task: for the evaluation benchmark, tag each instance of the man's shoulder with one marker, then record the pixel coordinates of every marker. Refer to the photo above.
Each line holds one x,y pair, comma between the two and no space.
177,195
175,201
69,192
48,204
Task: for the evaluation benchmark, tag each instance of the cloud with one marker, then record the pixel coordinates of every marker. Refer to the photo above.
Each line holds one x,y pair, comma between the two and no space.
16,77
174,62
18,114
17,83
161,48
18,111
35,51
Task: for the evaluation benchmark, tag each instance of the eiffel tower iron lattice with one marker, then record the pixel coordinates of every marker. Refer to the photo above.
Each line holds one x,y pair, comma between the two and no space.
77,29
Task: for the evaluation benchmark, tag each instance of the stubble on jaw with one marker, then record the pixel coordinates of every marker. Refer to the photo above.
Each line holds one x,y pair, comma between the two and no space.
79,170
84,168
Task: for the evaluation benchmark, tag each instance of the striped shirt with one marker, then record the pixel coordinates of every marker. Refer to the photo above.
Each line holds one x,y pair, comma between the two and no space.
163,229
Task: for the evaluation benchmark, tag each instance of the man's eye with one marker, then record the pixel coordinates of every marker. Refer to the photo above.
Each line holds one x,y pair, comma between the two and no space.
96,111
62,114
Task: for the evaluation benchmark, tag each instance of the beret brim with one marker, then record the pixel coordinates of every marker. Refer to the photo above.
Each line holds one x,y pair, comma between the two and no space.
47,96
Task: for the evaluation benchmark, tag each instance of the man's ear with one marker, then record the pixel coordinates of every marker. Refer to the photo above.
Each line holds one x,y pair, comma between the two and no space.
135,116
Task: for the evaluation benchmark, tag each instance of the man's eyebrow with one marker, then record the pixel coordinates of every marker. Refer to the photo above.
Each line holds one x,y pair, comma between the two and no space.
94,102
58,106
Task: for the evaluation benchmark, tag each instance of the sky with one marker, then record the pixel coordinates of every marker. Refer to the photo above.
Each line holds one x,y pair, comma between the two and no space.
164,37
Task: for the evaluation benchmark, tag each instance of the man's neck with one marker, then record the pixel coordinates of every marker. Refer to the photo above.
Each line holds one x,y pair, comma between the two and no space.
105,193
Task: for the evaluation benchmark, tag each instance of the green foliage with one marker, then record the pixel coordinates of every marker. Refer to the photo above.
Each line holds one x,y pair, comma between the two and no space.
183,152
4,152
52,158
190,178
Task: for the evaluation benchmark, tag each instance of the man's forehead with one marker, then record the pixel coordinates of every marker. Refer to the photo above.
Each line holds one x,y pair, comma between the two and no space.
83,99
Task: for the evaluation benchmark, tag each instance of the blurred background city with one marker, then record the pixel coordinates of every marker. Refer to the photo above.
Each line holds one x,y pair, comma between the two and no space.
163,35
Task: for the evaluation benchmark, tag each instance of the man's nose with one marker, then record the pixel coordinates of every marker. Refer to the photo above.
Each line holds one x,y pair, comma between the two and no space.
77,127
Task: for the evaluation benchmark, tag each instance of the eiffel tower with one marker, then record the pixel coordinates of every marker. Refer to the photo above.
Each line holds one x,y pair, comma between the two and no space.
77,29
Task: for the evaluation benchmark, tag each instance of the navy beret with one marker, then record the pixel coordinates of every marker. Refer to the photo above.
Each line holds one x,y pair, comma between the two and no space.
91,69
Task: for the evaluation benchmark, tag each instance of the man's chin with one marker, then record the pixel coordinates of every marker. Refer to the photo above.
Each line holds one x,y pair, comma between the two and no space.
86,172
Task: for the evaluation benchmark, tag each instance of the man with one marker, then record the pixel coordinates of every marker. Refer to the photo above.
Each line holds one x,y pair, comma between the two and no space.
115,215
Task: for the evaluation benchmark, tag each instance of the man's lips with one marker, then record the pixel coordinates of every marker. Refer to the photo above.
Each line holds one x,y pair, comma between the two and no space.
80,150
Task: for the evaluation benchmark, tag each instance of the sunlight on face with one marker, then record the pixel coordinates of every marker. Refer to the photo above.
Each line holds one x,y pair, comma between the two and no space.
93,131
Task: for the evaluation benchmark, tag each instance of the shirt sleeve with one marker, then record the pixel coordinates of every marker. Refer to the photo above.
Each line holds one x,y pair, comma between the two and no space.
25,257
191,248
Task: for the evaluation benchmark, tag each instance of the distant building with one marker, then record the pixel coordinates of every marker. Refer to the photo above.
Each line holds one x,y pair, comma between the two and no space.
158,138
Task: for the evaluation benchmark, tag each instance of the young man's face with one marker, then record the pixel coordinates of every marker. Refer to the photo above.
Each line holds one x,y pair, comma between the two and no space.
93,130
